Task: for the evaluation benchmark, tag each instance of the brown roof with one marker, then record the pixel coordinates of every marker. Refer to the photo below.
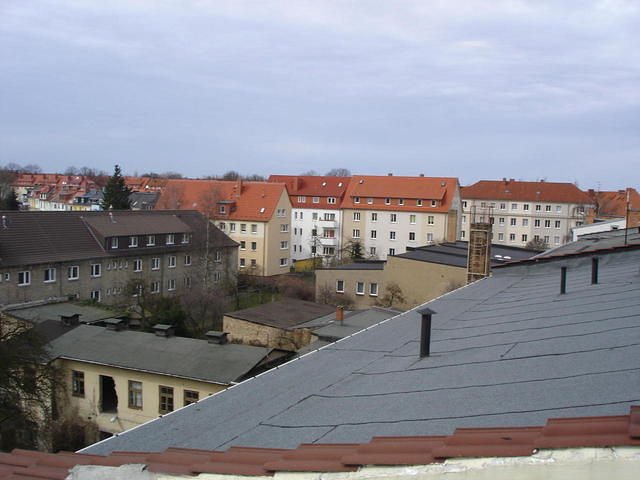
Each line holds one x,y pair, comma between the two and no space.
525,191
614,204
253,201
598,432
284,314
409,189
314,186
35,237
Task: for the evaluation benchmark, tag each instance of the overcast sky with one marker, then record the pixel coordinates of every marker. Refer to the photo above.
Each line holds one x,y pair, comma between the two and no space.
471,89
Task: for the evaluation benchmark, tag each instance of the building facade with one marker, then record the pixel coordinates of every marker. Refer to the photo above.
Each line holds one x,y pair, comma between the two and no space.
316,218
388,214
99,255
525,211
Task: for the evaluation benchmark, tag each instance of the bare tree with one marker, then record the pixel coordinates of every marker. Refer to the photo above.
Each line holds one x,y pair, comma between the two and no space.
393,294
310,173
338,172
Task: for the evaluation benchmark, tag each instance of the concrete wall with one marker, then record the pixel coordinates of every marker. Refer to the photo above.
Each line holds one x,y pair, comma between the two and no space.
327,279
88,407
249,333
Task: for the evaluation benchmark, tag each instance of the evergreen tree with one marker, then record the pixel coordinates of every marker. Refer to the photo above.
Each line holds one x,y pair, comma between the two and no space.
10,201
116,193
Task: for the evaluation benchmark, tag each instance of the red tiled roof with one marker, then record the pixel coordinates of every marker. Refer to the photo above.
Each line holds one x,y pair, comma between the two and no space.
612,431
244,200
614,204
313,186
525,191
409,189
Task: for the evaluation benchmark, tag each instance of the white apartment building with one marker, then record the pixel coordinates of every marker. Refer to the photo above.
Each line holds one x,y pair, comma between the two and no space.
525,211
386,214
316,217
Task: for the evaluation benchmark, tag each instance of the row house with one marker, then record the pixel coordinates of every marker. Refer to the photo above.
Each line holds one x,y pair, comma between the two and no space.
388,214
257,215
316,217
524,211
54,192
100,255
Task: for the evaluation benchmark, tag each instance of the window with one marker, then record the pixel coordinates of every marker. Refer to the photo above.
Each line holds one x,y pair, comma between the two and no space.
538,208
359,288
151,239
430,220
187,282
190,396
315,199
374,217
302,199
512,237
186,237
387,201
284,245
135,394
412,219
524,237
557,224
171,261
501,221
547,208
216,277
558,209
372,251
547,223
429,237
232,227
356,233
114,242
284,262
536,222
356,199
166,399
49,275
73,272
501,236
464,204
171,239
434,203
254,263
95,295
525,222
392,235
243,245
514,206
464,219
546,239
314,216
401,201
77,383
155,287
222,209
356,216
556,240
254,226
281,212
513,222
373,289
463,234
171,284
133,242
392,251
243,228
394,218
254,246
419,203
187,260
329,217
96,269
370,201
284,227
137,265
374,234
328,250
340,286
412,236
503,206
155,263
331,200
242,263
218,257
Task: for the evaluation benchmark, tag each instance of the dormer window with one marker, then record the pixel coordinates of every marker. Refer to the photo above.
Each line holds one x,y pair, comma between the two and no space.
419,202
186,237
114,242
151,240
171,239
316,199
356,199
133,242
302,199
434,203
222,209
387,201
401,201
331,200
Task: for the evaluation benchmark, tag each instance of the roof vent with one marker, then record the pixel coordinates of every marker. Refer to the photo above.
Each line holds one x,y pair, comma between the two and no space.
361,181
425,331
324,184
115,324
339,184
443,184
217,337
163,330
70,320
389,174
262,209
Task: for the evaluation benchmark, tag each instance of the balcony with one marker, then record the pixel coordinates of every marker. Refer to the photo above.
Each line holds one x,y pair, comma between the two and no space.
328,241
329,223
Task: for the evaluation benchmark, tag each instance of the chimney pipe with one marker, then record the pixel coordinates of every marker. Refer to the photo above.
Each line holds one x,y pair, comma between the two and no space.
425,331
340,313
594,270
162,330
563,280
217,337
389,174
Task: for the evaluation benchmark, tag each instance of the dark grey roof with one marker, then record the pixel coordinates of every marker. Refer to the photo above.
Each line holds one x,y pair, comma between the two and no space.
596,241
53,311
455,254
508,350
35,237
354,322
175,356
143,200
377,265
288,313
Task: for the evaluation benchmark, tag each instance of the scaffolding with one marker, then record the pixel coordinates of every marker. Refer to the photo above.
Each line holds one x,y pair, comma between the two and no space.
479,254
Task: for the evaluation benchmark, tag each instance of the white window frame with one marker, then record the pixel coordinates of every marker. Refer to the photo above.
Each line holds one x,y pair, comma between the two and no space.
284,245
96,270
393,218
284,261
170,239
151,240
155,263
187,260
431,220
51,273
73,269
339,286
137,265
356,216
114,242
373,289
171,284
359,288
356,233
331,200
302,199
171,261
24,278
95,295
133,241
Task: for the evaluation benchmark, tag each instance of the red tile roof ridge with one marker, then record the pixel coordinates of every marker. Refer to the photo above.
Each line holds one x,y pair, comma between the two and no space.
516,190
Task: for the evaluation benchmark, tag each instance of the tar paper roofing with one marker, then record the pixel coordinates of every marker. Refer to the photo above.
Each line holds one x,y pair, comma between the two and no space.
505,350
174,356
287,314
525,191
253,201
53,311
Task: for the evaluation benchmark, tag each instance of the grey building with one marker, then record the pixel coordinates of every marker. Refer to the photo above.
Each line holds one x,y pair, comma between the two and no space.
99,255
